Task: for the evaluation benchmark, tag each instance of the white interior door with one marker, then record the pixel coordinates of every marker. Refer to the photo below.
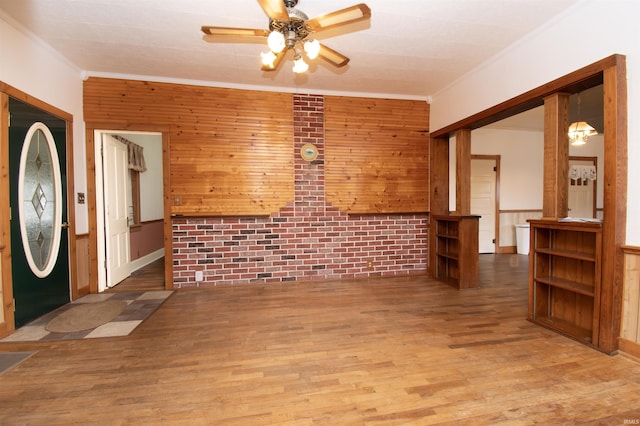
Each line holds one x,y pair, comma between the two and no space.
115,208
483,202
581,193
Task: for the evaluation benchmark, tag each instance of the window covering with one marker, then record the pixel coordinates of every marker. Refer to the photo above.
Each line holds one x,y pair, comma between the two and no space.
582,172
136,154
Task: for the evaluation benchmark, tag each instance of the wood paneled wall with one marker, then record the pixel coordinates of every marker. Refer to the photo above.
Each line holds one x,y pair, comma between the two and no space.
82,260
377,155
630,327
230,149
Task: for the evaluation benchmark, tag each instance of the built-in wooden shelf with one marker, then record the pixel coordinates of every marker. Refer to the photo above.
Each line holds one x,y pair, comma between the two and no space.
565,277
457,250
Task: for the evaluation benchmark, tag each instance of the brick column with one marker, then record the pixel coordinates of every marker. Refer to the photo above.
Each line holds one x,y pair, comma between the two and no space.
308,128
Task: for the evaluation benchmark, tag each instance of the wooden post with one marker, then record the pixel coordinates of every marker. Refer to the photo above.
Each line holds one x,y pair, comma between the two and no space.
439,179
615,203
555,202
463,172
438,191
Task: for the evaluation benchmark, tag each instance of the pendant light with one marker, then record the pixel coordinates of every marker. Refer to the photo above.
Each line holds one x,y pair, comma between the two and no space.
580,131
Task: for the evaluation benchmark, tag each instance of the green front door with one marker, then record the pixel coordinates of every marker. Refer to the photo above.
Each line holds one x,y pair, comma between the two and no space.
39,240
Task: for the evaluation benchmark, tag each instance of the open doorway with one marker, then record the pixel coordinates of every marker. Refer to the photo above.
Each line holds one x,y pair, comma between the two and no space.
484,201
129,204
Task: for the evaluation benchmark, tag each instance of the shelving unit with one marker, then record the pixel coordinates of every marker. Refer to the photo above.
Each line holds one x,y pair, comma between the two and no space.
565,277
457,250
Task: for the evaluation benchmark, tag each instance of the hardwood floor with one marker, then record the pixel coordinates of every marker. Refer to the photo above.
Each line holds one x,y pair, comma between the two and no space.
373,351
148,278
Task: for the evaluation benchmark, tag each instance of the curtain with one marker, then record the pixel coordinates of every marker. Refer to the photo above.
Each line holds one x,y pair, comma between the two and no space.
136,154
582,172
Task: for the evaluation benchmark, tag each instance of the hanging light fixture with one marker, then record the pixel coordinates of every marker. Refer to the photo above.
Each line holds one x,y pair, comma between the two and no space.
580,131
290,35
291,29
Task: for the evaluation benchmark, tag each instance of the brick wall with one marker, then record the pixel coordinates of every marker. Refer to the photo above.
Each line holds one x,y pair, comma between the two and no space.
308,239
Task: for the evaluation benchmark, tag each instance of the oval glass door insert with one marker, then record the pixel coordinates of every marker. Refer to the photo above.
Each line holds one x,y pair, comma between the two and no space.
40,193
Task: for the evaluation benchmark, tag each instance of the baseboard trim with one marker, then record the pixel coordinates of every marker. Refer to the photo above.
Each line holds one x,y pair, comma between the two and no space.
143,261
629,347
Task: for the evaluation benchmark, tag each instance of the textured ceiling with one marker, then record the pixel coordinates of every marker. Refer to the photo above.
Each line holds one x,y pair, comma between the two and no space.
409,49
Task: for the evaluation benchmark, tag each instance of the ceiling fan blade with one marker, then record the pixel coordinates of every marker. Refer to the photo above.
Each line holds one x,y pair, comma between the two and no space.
276,62
275,9
350,15
336,58
212,33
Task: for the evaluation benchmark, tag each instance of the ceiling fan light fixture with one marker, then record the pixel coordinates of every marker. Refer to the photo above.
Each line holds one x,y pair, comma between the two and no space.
276,41
312,48
299,65
291,29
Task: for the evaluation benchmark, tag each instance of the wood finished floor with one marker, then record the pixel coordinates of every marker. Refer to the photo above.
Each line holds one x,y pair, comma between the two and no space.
148,278
405,350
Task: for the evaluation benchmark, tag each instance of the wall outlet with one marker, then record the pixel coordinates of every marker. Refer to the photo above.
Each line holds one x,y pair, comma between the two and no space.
370,264
199,276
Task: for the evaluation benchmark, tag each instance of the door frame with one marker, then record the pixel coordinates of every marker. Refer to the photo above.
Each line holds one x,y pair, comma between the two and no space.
7,319
91,130
496,207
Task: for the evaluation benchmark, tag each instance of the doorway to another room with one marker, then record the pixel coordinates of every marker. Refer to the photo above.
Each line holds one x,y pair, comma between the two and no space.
129,206
484,183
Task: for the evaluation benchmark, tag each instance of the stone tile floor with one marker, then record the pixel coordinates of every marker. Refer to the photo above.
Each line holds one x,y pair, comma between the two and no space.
140,306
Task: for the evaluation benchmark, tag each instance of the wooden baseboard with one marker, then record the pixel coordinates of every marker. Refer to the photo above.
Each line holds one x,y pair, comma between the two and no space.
629,347
507,249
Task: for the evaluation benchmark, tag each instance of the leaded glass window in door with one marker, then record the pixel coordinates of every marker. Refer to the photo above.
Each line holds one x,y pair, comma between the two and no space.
40,197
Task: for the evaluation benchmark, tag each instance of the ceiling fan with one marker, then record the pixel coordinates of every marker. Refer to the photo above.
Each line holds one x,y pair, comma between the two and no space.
290,29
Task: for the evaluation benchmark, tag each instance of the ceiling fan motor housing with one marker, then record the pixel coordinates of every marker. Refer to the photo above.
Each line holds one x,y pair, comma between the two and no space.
296,29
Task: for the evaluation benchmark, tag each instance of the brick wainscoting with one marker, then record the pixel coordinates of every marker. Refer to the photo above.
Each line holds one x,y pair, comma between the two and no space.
307,239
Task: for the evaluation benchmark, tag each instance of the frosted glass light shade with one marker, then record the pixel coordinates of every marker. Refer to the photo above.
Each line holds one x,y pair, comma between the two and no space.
299,65
276,41
268,58
312,48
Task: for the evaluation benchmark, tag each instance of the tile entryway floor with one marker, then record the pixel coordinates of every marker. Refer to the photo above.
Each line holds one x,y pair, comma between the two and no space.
140,305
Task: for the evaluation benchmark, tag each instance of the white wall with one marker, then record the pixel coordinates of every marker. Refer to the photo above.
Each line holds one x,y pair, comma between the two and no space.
586,33
521,164
34,68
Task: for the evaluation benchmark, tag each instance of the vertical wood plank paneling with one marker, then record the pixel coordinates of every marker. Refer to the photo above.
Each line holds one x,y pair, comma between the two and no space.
377,155
631,298
82,262
230,150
